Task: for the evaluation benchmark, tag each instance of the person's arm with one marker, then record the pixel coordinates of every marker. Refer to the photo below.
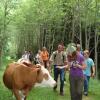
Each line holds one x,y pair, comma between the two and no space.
47,55
51,58
93,68
82,66
65,61
93,73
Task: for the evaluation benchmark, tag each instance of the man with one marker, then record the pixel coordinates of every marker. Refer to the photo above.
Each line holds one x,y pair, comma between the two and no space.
59,61
87,72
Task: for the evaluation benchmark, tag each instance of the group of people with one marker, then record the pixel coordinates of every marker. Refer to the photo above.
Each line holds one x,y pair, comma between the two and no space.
27,55
78,64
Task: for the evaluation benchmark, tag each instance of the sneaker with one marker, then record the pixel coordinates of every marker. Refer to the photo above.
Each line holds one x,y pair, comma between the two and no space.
85,93
55,87
61,93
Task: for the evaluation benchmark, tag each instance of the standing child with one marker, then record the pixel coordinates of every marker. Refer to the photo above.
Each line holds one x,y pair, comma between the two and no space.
87,72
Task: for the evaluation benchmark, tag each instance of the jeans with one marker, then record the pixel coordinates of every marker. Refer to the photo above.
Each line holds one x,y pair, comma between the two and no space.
45,63
86,83
58,71
76,87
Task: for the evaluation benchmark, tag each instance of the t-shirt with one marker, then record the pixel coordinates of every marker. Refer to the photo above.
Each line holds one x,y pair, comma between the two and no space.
75,71
89,63
58,58
44,55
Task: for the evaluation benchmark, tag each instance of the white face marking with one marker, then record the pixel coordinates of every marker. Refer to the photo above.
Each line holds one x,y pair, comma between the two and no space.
46,83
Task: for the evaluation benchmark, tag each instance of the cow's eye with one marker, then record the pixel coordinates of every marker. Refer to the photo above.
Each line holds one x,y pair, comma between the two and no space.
46,76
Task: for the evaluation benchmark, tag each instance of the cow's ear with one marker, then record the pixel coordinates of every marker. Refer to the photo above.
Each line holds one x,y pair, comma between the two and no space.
40,75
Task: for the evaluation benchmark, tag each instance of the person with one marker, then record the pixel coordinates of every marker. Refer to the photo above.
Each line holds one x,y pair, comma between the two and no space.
87,72
25,55
45,56
24,58
58,58
38,59
63,49
78,46
30,56
76,74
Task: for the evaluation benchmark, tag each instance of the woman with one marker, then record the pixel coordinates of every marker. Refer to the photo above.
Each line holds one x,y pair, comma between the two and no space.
45,56
76,74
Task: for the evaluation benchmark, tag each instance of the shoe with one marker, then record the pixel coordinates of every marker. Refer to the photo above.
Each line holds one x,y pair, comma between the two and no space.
85,93
61,93
55,87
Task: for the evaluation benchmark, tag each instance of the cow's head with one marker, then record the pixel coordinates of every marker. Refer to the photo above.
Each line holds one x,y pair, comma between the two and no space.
44,78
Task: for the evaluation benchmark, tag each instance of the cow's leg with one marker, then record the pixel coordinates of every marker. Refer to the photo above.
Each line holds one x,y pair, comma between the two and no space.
26,90
16,93
22,95
13,95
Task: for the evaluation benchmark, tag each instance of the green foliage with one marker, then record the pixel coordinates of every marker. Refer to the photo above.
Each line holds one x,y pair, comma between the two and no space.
32,24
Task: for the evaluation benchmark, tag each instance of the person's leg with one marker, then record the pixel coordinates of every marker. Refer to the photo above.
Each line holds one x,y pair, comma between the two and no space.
61,81
85,85
64,77
55,75
45,63
80,82
88,78
72,81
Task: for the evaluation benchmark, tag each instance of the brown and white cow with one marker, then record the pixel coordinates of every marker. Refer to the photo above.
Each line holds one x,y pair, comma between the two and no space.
20,79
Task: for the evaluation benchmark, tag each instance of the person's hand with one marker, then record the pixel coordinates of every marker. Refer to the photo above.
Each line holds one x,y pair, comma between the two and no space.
77,65
93,75
66,67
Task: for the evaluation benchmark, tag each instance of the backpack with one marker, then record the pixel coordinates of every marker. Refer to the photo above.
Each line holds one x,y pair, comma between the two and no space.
55,54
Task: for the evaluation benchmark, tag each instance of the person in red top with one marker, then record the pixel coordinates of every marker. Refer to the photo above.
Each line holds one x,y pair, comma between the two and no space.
45,56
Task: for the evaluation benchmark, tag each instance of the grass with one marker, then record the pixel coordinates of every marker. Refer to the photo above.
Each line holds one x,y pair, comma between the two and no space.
49,94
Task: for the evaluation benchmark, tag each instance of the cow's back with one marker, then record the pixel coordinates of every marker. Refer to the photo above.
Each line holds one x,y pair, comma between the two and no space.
24,76
19,75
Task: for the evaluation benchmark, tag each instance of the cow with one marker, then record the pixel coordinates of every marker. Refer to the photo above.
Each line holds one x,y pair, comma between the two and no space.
20,79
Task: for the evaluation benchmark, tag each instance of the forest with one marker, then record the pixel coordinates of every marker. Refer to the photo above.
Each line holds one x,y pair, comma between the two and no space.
32,24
